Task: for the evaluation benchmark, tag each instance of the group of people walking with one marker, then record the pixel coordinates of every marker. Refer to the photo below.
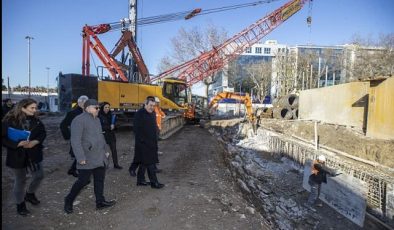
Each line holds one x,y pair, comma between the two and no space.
90,129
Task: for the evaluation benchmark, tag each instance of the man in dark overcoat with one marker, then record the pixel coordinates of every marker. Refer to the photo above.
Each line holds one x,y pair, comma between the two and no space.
146,155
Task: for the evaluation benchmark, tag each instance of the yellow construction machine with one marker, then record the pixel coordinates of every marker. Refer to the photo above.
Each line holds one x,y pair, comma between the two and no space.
243,98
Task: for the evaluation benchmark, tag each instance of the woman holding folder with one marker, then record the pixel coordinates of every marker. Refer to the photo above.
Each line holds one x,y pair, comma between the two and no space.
107,120
22,136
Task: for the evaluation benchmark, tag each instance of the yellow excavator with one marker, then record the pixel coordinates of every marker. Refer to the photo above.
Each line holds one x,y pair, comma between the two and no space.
244,98
125,89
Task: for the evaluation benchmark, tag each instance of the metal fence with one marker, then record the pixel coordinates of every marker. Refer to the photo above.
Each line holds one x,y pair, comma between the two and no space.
378,183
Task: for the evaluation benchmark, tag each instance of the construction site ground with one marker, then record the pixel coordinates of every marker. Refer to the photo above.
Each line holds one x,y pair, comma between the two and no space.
200,192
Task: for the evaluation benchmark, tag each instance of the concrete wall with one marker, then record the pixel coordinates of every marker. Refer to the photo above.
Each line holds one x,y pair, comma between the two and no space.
343,193
381,109
344,104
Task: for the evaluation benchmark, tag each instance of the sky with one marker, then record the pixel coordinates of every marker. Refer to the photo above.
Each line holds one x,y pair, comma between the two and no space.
56,27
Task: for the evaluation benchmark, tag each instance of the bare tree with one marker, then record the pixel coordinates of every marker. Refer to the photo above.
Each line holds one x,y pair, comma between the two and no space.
189,44
285,68
368,59
260,74
306,72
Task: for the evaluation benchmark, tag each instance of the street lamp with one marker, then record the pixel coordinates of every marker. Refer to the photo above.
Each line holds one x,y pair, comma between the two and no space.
48,86
28,66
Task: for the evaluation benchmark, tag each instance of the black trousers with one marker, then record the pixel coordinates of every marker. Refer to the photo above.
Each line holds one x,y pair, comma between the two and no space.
110,138
112,146
134,166
151,168
83,180
74,164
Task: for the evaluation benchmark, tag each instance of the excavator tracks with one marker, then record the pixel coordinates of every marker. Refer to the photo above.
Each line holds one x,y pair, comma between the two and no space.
171,124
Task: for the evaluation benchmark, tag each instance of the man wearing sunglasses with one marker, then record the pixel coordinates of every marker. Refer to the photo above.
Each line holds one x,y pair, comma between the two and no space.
91,152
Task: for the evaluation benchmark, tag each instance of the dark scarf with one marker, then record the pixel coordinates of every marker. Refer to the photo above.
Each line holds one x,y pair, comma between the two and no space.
27,125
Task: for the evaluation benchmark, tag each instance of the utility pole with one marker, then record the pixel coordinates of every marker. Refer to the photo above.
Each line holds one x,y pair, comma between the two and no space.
48,86
28,65
133,30
8,87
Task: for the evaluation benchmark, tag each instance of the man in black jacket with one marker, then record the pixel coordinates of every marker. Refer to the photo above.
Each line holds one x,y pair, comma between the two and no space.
146,156
7,106
66,132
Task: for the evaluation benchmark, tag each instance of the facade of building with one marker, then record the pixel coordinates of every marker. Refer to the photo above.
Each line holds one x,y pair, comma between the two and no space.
294,68
235,71
48,103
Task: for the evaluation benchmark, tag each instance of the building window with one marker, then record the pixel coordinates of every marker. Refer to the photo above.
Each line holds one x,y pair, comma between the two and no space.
258,50
267,50
248,50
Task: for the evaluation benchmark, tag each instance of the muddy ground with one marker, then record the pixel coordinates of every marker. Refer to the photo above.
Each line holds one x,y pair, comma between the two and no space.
200,192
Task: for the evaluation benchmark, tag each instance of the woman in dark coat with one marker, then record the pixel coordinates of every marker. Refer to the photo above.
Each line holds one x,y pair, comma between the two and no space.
26,153
107,120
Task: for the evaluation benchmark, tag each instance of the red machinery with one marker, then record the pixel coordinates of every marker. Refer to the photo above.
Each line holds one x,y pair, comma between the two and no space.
214,60
117,70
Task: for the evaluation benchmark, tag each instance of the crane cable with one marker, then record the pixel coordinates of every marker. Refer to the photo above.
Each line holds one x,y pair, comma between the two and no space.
309,20
181,15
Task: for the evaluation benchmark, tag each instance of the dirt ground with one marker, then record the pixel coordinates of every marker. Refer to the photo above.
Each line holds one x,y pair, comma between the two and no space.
341,138
199,193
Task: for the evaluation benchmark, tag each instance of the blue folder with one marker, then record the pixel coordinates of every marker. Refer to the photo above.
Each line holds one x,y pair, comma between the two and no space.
113,119
18,134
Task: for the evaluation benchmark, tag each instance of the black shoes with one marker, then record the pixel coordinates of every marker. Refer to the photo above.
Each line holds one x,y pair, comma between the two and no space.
30,197
144,183
158,170
132,173
105,204
157,185
72,172
118,167
68,206
21,209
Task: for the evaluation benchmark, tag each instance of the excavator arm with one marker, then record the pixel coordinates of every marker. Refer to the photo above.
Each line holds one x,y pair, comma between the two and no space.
242,98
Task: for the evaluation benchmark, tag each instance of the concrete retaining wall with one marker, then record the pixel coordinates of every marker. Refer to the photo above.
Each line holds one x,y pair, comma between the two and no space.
381,109
344,104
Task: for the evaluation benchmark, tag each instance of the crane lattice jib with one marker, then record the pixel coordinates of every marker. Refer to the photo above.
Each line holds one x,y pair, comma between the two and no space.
212,61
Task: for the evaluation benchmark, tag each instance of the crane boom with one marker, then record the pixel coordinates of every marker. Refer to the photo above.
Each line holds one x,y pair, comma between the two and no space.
214,60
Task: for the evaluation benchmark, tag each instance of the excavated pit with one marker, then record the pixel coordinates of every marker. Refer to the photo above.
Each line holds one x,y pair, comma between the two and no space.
269,168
